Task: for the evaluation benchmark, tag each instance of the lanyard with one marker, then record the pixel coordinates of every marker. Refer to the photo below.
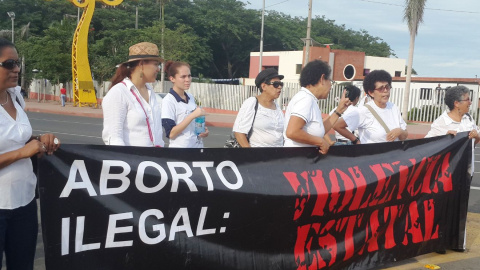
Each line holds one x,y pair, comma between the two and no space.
146,116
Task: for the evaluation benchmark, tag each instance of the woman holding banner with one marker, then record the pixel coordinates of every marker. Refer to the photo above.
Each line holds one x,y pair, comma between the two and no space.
131,113
378,120
304,125
456,118
18,207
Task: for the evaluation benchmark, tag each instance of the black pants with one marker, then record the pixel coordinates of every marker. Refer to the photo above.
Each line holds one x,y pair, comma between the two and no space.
18,236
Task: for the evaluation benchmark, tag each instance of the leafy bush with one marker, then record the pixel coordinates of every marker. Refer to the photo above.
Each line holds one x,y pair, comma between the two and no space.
427,113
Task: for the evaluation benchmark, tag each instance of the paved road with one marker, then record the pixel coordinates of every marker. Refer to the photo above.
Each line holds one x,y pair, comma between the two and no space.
84,130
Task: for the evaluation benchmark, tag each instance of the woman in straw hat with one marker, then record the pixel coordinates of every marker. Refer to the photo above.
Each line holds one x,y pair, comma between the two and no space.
131,114
179,109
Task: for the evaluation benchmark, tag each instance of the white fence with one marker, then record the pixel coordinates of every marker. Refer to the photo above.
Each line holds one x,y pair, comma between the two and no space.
425,105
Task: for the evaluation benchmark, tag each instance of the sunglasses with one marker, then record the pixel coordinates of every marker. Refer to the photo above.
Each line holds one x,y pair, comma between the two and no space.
383,88
275,84
10,64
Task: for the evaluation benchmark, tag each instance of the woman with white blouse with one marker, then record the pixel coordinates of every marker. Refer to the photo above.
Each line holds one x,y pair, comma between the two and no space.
131,113
266,124
18,207
179,109
377,85
456,118
304,125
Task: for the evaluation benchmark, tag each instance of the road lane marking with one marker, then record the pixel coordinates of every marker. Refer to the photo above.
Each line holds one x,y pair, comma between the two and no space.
476,188
63,121
70,134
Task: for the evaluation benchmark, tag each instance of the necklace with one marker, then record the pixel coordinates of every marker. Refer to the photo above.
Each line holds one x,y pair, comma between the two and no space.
3,104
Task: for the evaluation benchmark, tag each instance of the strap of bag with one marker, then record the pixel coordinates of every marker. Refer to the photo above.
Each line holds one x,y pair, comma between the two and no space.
251,128
380,120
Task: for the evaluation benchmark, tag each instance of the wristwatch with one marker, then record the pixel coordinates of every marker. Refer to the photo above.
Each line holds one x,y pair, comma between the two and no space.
356,140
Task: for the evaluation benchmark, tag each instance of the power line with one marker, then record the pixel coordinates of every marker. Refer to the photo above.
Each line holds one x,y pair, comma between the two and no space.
437,9
277,3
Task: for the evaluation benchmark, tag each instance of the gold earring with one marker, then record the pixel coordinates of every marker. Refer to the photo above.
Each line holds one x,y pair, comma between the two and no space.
141,74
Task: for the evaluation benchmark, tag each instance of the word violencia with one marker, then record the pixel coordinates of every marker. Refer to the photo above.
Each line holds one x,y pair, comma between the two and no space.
331,210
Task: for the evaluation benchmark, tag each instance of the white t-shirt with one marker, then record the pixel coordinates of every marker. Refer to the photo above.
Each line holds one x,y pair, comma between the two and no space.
369,129
124,120
17,180
338,136
267,127
177,111
444,123
304,105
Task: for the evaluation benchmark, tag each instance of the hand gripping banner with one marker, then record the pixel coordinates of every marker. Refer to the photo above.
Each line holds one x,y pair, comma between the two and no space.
108,207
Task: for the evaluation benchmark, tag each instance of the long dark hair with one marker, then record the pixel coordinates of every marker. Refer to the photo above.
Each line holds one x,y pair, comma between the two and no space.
171,67
123,71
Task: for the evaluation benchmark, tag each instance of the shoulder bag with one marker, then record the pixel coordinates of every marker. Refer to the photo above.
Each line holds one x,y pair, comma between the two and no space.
232,141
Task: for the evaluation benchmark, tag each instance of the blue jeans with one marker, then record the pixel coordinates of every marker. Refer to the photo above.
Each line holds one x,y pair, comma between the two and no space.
18,236
63,98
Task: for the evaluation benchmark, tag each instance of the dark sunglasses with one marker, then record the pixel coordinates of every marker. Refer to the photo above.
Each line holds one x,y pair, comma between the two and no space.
10,64
275,84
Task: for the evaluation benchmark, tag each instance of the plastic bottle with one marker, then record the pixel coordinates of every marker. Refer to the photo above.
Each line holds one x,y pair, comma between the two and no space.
199,125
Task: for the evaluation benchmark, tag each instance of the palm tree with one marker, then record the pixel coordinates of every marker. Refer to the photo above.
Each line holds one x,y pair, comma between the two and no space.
413,16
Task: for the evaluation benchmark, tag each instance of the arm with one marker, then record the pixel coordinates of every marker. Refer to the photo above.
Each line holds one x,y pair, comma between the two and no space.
343,104
242,139
30,149
296,133
114,115
176,130
341,127
397,133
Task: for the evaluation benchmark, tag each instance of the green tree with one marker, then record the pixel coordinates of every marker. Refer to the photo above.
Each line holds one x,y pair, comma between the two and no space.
413,16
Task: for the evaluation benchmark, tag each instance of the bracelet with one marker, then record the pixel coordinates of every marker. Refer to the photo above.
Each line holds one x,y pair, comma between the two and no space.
337,113
356,140
38,137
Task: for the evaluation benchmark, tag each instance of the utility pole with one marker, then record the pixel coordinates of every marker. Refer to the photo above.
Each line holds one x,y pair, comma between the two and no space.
162,54
261,39
308,40
136,17
11,14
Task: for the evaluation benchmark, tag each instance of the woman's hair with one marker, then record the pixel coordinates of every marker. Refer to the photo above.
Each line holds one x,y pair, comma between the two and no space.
124,70
453,94
313,71
171,67
5,43
353,91
373,77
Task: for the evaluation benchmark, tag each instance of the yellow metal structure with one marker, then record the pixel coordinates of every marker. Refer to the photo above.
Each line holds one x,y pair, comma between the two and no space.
83,90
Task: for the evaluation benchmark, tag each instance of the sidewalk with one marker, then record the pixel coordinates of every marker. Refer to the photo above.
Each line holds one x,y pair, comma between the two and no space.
215,117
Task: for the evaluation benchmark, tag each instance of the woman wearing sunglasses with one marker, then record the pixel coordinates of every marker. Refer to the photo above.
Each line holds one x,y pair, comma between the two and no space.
259,122
304,125
456,118
131,113
378,120
18,207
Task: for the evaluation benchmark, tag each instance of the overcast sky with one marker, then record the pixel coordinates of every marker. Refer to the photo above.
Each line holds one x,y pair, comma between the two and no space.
447,44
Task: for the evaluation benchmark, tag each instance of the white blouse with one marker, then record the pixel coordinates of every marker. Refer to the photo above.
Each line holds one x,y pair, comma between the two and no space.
267,127
17,180
304,105
444,123
124,120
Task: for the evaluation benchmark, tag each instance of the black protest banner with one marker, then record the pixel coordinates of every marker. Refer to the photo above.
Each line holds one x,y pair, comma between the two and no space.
107,207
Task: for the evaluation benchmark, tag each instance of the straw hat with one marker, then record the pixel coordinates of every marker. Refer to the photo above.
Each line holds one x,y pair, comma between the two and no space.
143,51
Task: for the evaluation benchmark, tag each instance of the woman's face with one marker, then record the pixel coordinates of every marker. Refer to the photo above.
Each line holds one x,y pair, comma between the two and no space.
182,79
464,104
150,70
270,90
8,77
322,88
381,94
